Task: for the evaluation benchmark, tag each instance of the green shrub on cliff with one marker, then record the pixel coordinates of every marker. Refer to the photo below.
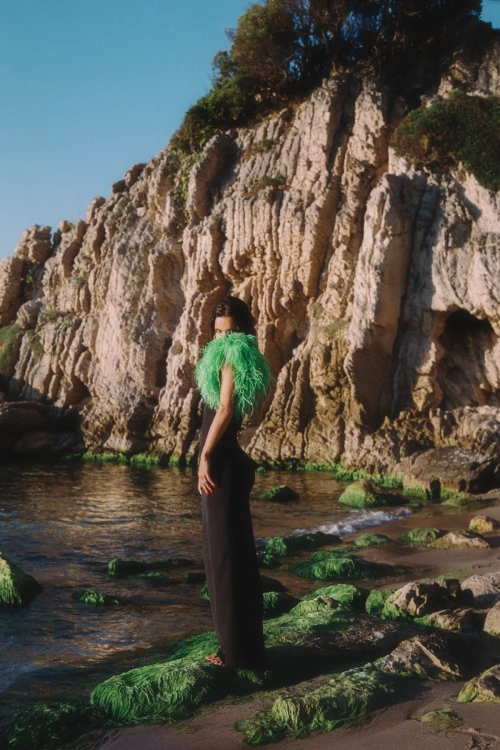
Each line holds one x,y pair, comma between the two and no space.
281,49
461,128
9,338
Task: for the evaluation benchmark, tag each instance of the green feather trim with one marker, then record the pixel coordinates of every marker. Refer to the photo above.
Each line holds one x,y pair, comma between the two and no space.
251,373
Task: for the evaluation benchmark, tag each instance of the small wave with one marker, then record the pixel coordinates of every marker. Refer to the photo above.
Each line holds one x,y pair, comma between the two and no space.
358,519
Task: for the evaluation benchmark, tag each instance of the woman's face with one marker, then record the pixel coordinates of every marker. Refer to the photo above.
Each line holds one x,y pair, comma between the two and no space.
223,325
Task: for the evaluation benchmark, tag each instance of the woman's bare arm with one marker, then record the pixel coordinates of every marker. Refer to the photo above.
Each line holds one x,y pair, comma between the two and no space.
219,424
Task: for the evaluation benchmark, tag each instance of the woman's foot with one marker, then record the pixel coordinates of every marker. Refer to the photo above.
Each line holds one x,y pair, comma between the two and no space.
215,660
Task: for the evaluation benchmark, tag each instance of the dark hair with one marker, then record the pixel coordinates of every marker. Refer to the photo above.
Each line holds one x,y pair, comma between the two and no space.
237,309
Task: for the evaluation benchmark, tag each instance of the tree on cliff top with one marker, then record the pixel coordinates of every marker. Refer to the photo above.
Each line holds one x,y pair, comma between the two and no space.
281,48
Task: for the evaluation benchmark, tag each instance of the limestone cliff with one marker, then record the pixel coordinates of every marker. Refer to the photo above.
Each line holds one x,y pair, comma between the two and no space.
376,288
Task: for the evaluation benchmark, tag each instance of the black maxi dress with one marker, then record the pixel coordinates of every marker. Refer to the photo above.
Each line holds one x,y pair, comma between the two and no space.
231,566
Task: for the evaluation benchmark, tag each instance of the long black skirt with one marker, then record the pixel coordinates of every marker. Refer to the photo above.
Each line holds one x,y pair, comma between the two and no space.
231,566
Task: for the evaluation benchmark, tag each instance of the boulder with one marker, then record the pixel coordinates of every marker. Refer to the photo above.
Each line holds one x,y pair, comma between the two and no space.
492,622
461,540
421,536
482,689
485,588
279,494
447,467
367,494
482,523
450,619
416,599
16,587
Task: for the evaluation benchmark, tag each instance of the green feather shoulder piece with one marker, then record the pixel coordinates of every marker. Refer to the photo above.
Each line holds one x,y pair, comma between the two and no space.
251,373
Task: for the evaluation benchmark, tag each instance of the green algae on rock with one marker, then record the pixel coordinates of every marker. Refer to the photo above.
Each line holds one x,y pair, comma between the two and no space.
371,540
267,561
419,598
118,567
461,540
460,500
280,493
482,689
88,596
367,494
48,725
283,546
337,567
278,602
354,692
16,587
350,596
376,599
351,693
421,536
443,719
482,523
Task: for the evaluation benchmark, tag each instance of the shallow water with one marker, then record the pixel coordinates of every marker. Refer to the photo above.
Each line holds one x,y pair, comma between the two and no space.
64,522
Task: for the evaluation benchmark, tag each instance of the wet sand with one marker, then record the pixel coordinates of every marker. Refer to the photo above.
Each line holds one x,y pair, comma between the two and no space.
390,727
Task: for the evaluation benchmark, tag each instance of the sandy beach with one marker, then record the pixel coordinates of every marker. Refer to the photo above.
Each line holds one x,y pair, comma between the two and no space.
478,724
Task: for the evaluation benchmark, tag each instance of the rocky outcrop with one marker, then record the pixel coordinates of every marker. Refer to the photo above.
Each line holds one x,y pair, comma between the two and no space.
375,285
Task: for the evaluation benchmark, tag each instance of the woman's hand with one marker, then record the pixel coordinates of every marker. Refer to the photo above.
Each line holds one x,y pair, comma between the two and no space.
205,481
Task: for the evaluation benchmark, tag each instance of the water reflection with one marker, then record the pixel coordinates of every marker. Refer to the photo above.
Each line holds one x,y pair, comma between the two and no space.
62,523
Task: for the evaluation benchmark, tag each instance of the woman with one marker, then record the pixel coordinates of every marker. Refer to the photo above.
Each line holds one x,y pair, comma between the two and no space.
232,376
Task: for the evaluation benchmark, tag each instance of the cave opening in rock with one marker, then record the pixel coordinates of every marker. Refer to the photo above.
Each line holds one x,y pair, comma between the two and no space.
462,374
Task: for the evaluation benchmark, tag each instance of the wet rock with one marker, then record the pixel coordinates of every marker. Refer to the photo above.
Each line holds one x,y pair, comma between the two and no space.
485,588
16,587
283,546
421,536
441,720
346,594
461,540
450,619
461,500
417,599
338,567
482,523
280,493
492,622
118,567
482,689
371,540
88,596
367,494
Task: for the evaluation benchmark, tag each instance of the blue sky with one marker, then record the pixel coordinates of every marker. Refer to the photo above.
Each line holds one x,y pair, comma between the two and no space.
91,87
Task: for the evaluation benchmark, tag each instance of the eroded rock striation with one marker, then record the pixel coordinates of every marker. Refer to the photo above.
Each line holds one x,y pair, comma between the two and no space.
375,285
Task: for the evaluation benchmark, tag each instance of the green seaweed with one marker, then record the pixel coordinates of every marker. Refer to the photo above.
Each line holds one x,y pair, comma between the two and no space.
120,568
371,540
16,587
345,593
283,546
421,536
279,493
87,596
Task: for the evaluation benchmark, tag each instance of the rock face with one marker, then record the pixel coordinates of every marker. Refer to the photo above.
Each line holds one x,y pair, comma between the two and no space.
375,285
